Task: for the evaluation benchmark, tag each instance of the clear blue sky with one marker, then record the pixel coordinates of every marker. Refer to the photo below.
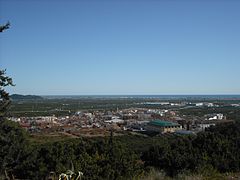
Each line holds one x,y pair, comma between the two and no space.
121,47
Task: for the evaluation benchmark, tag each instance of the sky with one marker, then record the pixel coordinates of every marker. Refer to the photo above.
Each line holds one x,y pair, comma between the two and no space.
121,47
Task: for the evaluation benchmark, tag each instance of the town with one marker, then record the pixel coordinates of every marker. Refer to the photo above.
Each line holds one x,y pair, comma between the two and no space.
162,118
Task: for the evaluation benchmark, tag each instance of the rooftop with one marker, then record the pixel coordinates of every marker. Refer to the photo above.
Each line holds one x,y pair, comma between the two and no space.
162,123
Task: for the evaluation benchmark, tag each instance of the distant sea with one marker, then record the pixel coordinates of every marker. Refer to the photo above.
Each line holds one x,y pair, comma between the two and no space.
166,97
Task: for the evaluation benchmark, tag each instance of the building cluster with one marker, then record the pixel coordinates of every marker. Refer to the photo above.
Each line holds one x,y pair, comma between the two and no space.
133,119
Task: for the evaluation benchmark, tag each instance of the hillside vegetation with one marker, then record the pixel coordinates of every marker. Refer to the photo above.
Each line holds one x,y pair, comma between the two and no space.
126,157
25,97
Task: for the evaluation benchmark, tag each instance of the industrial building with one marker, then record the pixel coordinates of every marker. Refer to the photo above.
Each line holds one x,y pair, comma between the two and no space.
162,126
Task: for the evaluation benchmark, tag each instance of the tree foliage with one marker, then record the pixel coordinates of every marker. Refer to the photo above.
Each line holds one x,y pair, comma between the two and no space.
4,81
4,27
217,148
4,96
13,144
95,159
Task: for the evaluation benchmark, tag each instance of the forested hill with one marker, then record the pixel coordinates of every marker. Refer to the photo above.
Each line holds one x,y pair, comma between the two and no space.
25,97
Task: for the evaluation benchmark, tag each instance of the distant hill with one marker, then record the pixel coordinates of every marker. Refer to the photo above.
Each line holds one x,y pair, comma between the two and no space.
25,97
